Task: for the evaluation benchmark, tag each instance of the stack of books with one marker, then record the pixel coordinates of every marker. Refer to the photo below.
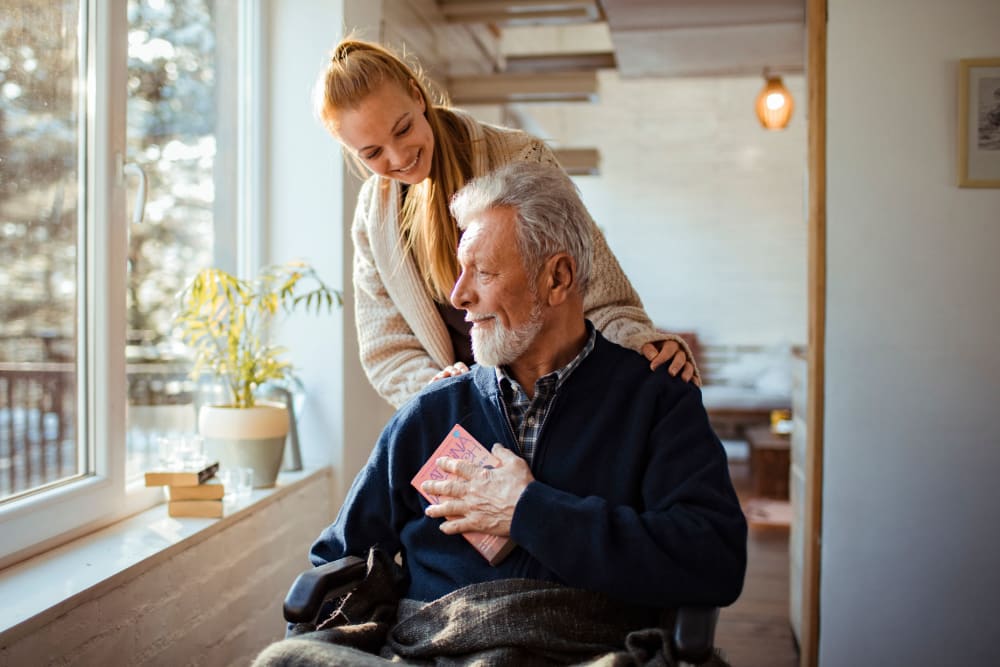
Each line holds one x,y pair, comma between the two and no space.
191,492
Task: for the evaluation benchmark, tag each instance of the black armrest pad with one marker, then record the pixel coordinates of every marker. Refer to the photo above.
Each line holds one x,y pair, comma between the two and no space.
312,587
694,633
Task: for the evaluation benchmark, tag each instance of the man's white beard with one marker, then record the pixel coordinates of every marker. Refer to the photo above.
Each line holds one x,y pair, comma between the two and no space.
499,346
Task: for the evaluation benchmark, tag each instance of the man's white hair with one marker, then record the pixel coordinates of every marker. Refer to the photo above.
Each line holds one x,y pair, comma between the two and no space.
551,217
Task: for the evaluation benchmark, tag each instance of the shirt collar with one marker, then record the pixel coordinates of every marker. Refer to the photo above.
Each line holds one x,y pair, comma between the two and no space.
560,374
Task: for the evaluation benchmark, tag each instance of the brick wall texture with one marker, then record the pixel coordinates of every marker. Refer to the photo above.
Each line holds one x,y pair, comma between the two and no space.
704,209
216,603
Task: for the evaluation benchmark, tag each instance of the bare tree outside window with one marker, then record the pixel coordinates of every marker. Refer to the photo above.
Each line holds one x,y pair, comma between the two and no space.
172,119
40,140
172,73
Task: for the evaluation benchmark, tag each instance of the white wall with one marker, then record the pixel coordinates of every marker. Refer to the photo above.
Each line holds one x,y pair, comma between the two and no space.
303,173
703,208
912,451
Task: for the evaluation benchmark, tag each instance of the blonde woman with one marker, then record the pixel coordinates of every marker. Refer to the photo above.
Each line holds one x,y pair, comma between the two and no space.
419,154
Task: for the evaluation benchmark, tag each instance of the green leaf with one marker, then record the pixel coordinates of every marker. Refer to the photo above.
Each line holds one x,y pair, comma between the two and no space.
225,320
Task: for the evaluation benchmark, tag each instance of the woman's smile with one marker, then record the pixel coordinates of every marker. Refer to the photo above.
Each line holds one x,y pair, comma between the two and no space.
413,164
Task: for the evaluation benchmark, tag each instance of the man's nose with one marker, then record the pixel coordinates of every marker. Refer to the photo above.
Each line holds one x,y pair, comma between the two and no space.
459,294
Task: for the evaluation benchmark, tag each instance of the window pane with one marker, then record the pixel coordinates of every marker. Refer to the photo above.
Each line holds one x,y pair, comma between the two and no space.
172,136
40,146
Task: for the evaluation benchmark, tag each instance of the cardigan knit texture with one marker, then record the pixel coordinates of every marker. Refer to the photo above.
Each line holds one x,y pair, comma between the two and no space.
403,340
631,497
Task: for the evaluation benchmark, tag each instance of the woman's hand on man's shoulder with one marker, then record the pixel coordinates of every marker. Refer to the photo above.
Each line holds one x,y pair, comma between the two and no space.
661,351
457,368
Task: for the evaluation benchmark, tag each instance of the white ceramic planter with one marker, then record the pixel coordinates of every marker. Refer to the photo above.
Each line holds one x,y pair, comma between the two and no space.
246,437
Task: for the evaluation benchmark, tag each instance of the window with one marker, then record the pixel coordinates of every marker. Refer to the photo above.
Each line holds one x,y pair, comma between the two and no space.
85,295
42,141
171,136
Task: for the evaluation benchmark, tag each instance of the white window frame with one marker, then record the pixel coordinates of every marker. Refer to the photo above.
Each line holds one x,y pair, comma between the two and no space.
42,520
75,506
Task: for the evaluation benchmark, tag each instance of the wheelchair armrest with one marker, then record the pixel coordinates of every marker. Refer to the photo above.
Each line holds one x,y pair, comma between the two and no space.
312,587
694,633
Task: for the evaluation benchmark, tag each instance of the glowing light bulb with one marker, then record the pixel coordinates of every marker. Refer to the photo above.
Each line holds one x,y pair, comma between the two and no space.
774,104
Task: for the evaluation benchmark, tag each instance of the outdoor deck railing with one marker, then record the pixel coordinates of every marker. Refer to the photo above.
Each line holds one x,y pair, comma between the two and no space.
38,438
37,410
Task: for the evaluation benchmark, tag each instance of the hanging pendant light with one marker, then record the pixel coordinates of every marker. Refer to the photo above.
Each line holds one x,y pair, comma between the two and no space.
774,104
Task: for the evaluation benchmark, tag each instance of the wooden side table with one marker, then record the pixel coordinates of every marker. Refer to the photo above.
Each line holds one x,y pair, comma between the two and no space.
769,461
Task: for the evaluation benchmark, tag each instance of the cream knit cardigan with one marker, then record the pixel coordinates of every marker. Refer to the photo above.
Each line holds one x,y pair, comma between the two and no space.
402,338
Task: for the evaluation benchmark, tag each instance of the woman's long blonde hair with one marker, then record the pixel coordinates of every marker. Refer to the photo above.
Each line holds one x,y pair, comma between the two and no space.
356,68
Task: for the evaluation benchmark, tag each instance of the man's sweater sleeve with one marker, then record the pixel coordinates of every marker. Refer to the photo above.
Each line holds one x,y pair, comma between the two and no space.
686,545
368,517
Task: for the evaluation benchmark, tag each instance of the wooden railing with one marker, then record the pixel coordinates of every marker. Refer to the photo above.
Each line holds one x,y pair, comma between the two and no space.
38,424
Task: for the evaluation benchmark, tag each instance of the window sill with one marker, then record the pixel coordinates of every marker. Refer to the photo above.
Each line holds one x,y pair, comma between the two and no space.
49,585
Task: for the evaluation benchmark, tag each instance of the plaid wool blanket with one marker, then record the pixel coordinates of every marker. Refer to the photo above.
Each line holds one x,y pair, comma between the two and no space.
513,622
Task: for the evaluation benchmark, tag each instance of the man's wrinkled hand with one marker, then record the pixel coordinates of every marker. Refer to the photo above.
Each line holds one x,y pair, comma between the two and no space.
479,500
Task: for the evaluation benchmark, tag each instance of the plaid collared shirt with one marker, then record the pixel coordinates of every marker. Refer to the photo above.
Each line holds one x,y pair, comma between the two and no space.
528,415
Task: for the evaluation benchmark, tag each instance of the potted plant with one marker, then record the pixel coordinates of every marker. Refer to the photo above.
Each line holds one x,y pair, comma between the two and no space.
226,322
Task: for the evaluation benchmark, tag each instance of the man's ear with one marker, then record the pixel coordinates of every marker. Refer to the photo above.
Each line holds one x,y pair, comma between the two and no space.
560,278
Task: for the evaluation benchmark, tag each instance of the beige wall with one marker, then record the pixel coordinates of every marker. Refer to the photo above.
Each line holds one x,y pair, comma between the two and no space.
911,454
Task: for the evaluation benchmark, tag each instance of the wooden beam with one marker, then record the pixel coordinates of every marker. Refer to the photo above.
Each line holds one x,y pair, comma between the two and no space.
579,161
696,52
560,62
679,14
812,531
520,12
514,88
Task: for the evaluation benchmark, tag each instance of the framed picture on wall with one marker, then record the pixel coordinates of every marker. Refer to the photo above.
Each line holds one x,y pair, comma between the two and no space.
979,123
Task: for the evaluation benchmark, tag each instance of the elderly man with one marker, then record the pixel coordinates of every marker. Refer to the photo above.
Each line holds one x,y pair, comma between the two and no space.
610,480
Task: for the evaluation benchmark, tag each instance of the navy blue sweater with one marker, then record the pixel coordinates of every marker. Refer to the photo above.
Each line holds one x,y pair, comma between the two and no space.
631,497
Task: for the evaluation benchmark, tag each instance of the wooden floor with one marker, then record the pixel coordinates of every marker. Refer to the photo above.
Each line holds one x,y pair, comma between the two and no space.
755,632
